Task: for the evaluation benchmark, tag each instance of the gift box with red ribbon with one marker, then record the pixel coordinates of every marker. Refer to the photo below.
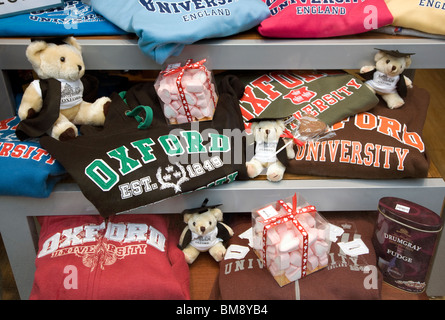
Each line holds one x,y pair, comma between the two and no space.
187,93
291,238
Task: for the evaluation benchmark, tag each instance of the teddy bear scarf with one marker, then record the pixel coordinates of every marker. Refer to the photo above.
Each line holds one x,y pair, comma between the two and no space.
51,92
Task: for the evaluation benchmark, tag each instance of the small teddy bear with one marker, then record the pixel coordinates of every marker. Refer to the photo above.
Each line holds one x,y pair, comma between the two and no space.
266,133
54,104
386,77
204,232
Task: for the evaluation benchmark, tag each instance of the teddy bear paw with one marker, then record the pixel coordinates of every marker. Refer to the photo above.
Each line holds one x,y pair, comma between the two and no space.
68,134
274,176
218,253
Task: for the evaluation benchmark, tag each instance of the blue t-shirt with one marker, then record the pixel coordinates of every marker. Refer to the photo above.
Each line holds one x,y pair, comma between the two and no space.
25,167
165,27
73,18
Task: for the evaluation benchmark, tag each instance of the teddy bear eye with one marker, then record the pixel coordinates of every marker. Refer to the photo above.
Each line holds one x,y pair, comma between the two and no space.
194,223
62,59
388,61
210,223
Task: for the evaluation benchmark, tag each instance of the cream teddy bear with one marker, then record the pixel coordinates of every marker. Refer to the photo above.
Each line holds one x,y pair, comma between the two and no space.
267,139
386,77
204,232
54,104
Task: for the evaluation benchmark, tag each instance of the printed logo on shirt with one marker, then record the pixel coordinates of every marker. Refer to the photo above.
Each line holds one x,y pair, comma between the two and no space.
190,153
71,94
272,87
190,9
103,245
312,7
73,13
12,147
369,154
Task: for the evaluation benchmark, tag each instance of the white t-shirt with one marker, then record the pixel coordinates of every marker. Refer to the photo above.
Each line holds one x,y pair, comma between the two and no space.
266,151
205,242
383,83
71,92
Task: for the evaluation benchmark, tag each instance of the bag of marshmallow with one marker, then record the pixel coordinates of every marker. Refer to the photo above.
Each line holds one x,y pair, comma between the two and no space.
291,238
187,92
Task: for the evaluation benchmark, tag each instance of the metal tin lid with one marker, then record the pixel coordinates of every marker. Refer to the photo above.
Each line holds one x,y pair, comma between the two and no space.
410,213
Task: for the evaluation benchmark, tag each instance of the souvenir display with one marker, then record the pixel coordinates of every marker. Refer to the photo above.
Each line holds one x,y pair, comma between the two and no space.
189,126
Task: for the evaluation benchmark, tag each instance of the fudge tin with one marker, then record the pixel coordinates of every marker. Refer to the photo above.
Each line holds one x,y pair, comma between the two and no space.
404,240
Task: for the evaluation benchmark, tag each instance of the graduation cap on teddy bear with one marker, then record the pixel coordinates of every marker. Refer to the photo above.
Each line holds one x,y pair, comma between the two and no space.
395,53
203,208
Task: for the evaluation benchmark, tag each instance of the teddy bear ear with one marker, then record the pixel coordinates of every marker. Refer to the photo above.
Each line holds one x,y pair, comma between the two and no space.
187,217
217,213
407,61
379,55
73,42
34,50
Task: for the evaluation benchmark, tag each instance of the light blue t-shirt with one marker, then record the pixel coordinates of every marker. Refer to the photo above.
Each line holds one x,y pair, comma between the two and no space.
165,27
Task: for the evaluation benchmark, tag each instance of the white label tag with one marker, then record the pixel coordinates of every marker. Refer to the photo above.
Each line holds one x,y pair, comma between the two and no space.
268,212
247,235
235,251
354,248
402,208
335,232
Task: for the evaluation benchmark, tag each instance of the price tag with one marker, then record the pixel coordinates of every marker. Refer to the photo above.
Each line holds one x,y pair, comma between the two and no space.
12,7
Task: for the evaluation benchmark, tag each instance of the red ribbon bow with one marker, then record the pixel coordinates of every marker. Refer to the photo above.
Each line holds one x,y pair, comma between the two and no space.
290,216
289,135
188,65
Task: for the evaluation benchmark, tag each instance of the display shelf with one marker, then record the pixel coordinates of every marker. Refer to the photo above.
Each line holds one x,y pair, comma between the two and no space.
245,51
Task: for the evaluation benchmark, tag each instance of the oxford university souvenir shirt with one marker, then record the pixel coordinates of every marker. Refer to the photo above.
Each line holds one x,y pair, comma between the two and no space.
125,257
122,167
165,27
26,168
72,18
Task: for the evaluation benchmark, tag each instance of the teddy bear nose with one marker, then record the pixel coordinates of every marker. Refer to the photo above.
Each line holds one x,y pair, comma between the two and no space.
394,68
267,131
202,229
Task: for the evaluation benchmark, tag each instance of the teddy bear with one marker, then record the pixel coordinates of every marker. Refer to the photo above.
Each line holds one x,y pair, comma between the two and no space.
54,103
204,232
386,78
267,136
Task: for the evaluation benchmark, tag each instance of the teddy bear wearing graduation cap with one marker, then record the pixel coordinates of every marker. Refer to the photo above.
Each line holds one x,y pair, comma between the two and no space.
386,78
205,231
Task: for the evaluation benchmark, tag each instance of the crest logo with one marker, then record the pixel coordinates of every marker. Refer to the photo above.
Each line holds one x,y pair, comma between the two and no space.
167,180
300,95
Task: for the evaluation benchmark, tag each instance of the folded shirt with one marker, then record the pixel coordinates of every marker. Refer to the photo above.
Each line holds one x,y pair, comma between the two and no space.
164,28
